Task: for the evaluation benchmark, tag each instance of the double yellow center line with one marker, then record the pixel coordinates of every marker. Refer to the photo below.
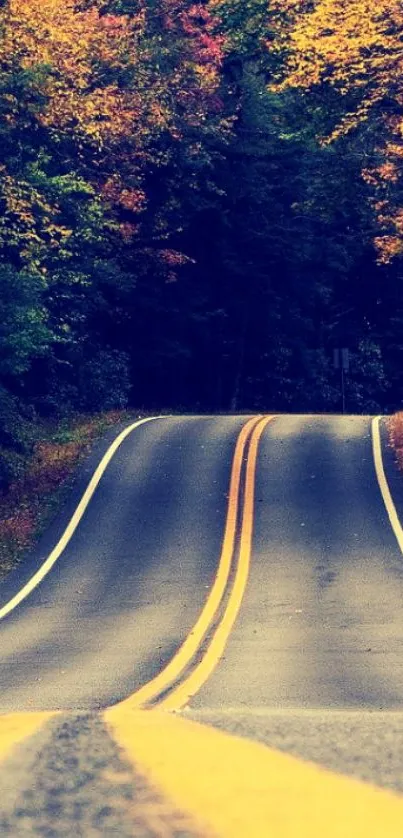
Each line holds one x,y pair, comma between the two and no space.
192,664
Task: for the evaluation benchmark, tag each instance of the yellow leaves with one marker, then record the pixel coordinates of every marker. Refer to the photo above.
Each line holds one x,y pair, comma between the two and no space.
98,80
73,45
394,148
59,232
370,178
158,114
388,248
339,41
388,172
28,221
354,45
18,199
98,92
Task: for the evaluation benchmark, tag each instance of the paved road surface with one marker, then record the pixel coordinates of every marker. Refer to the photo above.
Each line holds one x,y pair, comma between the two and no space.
321,624
132,579
302,650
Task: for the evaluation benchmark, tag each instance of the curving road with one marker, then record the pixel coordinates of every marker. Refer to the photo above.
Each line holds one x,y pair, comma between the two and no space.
132,579
321,619
321,624
244,571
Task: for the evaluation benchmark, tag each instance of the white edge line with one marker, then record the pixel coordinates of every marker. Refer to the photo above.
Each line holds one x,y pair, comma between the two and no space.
383,483
74,521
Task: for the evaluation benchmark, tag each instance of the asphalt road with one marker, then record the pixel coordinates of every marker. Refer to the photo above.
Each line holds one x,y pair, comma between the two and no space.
311,663
133,578
321,622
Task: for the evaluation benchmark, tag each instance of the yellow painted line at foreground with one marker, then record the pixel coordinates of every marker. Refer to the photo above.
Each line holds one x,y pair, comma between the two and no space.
236,788
73,523
383,483
15,727
190,646
190,686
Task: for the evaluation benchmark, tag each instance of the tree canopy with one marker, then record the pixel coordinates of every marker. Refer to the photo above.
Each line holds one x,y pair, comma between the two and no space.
199,202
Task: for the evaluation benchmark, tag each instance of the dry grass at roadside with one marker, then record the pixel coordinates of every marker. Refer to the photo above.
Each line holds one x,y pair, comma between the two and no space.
32,500
395,429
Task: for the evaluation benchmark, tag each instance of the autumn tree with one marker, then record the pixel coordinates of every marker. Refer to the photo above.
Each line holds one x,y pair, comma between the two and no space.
356,48
287,240
108,110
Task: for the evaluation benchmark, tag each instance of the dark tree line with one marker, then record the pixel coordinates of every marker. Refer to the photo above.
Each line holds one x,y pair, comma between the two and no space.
174,235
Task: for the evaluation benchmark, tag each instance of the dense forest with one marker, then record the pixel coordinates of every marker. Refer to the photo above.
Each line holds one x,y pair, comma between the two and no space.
200,201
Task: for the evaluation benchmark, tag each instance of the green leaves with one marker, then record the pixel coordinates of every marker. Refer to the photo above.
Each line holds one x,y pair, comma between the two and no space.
23,330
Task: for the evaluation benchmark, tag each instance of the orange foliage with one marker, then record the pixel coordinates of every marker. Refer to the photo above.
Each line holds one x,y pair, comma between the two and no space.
354,46
103,99
75,47
52,463
395,430
114,191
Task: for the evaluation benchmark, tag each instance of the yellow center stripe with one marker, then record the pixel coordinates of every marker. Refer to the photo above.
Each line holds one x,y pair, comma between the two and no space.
192,643
15,727
236,788
179,697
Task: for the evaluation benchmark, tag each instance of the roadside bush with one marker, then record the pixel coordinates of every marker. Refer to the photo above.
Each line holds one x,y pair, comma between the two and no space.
395,430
